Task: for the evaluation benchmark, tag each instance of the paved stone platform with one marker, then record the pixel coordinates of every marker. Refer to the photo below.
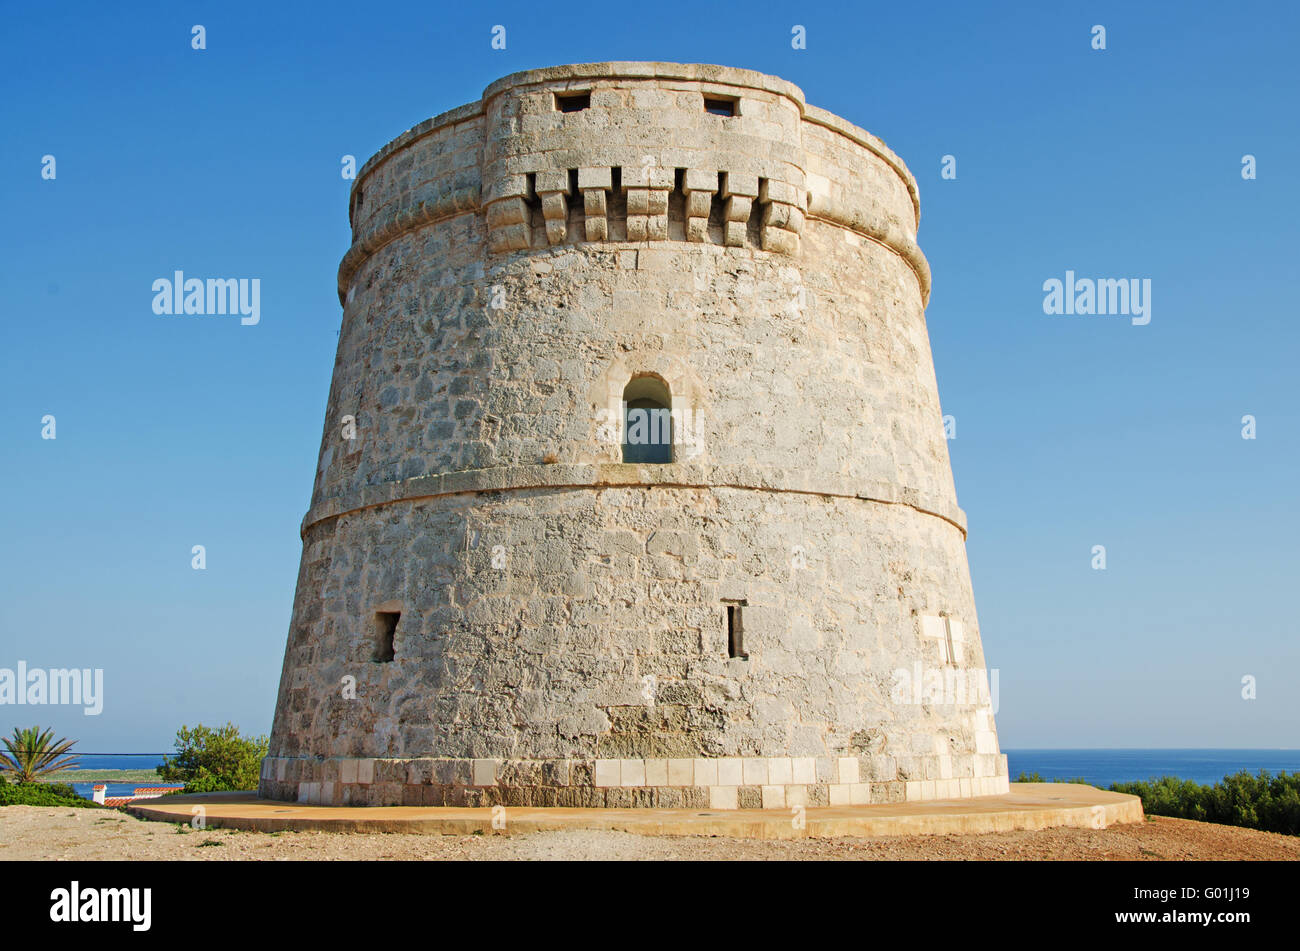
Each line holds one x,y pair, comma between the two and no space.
1026,806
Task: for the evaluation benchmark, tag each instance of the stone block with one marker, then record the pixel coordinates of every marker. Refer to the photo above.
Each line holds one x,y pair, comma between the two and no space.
780,770
701,180
510,211
771,190
737,209
723,797
699,204
739,185
730,771
706,773
608,772
596,178
803,770
656,772
847,770
485,772
555,207
510,238
556,772
681,772
632,772
365,771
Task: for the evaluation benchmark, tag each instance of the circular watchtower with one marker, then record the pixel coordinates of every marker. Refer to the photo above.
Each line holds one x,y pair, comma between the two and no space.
633,488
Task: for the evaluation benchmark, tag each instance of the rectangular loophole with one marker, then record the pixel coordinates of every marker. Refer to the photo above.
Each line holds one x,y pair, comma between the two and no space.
572,101
736,631
385,629
719,106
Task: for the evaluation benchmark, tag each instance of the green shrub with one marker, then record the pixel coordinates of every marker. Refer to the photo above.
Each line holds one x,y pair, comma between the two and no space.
213,760
1037,778
41,794
1263,801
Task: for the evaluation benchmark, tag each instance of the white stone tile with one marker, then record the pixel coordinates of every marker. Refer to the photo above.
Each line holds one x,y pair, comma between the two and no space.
366,771
485,772
755,771
848,770
804,770
780,771
632,772
656,772
839,794
348,770
706,772
681,772
724,797
607,772
730,771
773,797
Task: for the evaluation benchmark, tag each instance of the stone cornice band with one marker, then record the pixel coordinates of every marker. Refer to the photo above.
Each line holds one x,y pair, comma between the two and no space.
618,475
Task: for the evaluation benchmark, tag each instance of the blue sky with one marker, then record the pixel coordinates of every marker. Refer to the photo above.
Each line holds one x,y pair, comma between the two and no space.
1071,431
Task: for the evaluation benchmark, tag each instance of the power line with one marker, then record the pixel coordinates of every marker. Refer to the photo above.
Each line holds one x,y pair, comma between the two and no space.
79,753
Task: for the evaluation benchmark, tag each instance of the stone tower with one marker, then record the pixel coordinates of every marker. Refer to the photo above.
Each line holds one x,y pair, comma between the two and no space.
633,489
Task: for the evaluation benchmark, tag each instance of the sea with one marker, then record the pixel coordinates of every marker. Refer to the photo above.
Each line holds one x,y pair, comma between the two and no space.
1098,767
1103,767
118,761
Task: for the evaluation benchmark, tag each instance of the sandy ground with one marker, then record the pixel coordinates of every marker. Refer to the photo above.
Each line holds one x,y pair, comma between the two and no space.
33,832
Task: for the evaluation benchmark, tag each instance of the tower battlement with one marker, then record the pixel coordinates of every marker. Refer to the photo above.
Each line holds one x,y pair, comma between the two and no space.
630,152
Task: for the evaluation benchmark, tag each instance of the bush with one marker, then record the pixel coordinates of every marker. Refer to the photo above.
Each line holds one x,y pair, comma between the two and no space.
41,794
214,760
1037,778
1266,802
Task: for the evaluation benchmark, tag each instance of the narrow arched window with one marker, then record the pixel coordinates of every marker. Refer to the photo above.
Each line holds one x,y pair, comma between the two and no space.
647,421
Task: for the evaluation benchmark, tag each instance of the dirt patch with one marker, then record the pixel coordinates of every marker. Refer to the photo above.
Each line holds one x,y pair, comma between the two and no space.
43,833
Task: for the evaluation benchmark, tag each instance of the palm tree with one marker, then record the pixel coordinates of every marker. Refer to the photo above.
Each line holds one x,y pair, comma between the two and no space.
34,753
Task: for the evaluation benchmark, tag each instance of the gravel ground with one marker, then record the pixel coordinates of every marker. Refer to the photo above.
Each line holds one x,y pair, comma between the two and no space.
43,833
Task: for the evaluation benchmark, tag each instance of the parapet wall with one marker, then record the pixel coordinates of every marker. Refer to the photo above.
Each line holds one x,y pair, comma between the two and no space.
638,158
